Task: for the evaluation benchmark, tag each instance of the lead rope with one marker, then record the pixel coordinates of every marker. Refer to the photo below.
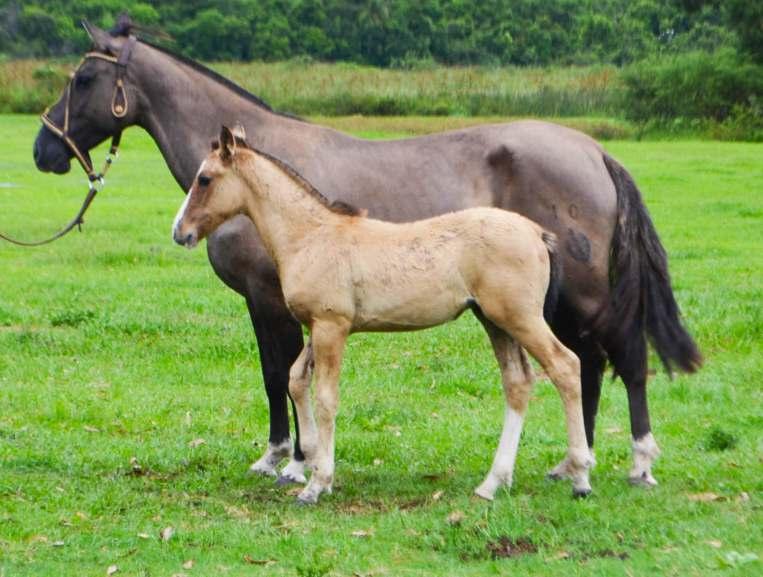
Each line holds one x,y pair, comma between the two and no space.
94,180
118,109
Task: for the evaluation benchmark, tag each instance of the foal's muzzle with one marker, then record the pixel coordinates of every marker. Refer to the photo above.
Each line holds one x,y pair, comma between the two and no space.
188,240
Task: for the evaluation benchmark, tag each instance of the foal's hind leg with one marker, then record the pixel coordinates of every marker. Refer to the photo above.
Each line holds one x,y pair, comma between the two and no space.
517,379
300,377
563,368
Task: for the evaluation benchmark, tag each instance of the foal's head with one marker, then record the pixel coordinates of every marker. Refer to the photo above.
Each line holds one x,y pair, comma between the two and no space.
217,193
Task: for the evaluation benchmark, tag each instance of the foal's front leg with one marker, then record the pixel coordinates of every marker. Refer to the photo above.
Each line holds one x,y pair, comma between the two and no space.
328,339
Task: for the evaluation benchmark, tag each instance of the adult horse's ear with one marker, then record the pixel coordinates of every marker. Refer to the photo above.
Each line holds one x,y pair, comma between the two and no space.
227,144
101,39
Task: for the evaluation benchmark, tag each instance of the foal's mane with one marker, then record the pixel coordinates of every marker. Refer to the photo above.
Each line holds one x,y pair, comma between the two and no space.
336,206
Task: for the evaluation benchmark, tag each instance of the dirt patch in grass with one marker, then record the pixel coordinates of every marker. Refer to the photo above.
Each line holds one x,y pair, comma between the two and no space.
505,547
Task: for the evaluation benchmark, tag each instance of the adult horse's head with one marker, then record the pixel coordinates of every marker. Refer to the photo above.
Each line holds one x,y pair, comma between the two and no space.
98,103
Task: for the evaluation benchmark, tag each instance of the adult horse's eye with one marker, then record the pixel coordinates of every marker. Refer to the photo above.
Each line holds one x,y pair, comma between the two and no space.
204,180
83,80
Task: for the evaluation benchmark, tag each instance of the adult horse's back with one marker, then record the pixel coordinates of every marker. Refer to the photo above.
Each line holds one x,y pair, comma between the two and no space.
616,290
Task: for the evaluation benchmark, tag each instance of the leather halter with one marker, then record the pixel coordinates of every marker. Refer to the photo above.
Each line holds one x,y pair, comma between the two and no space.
119,108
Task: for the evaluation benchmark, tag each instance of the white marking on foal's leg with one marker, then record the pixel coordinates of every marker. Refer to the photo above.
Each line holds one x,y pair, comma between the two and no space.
293,472
645,451
266,465
502,471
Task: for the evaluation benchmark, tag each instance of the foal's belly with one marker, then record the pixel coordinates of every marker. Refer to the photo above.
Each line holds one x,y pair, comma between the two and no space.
406,304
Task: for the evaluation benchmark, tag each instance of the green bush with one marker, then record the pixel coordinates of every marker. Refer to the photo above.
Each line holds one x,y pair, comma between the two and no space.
698,85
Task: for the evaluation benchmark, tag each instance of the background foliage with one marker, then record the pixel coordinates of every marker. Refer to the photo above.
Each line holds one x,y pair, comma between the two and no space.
679,65
400,32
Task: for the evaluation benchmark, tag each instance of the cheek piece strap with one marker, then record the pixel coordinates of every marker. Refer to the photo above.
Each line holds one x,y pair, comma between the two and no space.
119,109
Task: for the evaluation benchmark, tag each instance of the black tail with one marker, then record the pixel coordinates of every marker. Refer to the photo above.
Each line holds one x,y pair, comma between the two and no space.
641,297
555,277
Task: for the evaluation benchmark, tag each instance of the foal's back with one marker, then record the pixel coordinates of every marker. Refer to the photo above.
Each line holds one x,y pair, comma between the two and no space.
389,276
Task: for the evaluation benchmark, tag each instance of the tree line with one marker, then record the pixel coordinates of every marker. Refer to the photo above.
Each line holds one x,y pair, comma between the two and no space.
400,33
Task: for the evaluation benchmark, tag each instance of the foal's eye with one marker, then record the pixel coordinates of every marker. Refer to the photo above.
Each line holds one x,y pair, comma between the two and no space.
204,180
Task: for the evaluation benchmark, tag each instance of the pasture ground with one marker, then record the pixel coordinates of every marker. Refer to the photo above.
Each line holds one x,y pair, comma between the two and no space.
120,352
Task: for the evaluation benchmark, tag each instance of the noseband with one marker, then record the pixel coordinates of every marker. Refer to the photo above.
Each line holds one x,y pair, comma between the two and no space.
119,107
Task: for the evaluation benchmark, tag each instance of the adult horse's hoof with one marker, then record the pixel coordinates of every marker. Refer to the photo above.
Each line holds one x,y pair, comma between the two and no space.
645,479
264,469
293,472
560,472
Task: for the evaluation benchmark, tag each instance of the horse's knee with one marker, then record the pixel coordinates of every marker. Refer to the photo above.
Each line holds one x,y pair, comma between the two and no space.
326,404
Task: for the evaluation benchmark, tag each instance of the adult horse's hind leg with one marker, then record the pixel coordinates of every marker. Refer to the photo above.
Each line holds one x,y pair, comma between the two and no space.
517,379
592,361
631,365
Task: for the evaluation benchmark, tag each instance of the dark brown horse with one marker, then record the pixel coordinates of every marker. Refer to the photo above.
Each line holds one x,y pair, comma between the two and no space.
616,289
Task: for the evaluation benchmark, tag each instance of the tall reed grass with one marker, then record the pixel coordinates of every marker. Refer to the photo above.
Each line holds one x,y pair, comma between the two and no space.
307,88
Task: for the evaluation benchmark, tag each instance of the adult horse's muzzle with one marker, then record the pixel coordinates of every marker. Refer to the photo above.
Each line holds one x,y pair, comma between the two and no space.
51,154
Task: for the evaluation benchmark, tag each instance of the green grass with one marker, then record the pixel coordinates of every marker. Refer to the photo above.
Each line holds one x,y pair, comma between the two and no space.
115,345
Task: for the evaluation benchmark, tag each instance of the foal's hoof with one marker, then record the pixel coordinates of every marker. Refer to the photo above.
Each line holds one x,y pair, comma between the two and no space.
580,493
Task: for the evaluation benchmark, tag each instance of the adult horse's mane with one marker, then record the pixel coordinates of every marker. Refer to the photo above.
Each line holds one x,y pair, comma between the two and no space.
125,27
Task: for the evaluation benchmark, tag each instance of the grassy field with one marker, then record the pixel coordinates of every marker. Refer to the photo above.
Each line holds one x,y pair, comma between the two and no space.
120,352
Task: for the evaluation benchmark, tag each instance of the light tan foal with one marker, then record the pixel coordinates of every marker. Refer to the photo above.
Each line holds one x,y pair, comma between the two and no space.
342,274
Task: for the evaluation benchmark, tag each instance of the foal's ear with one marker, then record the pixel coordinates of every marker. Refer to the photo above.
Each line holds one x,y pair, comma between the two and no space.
239,132
227,144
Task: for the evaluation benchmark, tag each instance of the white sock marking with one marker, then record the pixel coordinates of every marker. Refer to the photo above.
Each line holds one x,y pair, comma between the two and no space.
502,471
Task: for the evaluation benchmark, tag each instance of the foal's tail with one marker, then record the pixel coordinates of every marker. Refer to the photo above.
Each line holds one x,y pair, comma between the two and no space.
555,277
641,298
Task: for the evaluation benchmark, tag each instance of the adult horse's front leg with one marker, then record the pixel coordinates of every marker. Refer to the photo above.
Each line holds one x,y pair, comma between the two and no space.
239,259
278,336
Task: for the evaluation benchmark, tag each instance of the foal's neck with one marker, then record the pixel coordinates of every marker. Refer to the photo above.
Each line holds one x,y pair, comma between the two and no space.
282,206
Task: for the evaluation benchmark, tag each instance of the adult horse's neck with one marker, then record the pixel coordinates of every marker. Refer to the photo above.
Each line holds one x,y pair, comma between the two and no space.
182,108
284,207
